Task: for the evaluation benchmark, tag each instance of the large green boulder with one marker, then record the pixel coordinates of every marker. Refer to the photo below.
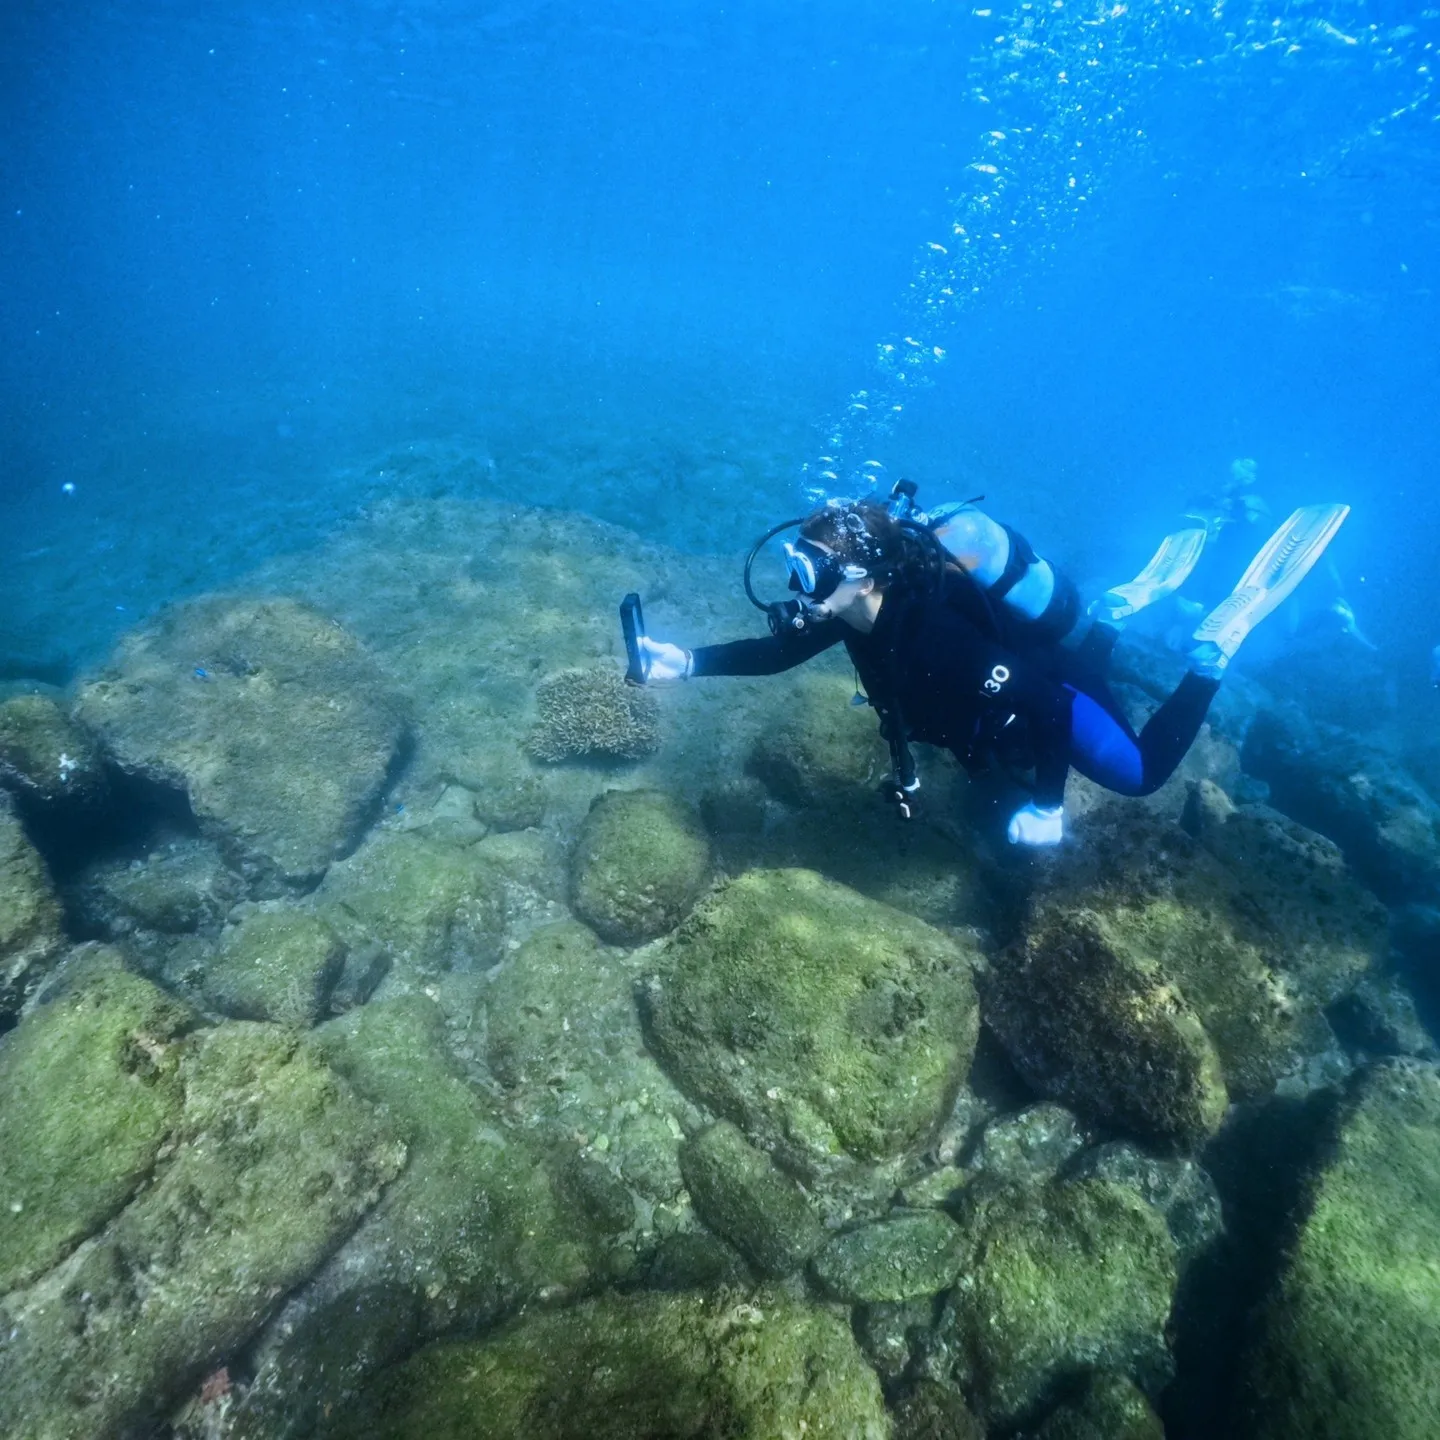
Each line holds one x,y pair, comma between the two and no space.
640,863
832,1029
89,1091
429,906
275,964
1057,1280
1349,1340
642,1367
1160,975
275,1160
741,1194
274,722
31,937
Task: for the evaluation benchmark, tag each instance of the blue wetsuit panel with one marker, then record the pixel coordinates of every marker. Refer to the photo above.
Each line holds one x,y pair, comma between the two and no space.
1102,749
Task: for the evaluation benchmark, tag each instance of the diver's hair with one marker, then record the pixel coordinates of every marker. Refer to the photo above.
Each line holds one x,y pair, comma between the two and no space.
862,532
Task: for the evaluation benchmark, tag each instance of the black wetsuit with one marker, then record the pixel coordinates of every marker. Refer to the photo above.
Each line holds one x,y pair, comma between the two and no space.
939,664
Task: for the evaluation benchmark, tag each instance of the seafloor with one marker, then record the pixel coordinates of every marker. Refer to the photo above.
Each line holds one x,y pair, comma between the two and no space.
410,1031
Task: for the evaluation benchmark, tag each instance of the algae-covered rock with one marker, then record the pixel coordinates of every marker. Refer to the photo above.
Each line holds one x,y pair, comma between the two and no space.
1032,1145
905,1256
182,885
637,1368
46,756
276,965
275,723
593,714
1349,1340
640,863
564,1040
1205,966
1112,1039
830,1028
31,938
91,1088
1058,1280
1178,1189
740,1194
276,1160
931,1411
472,1229
430,906
1110,1407
824,751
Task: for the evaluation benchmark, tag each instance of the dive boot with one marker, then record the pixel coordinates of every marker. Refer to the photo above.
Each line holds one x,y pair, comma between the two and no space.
1271,579
1168,570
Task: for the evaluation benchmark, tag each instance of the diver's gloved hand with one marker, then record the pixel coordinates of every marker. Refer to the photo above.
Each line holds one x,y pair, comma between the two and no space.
1037,825
664,663
905,798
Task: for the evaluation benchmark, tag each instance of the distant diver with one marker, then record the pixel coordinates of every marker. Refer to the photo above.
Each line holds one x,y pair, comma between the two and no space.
954,625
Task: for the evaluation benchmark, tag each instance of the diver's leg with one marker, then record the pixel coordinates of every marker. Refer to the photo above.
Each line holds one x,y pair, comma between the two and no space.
1106,750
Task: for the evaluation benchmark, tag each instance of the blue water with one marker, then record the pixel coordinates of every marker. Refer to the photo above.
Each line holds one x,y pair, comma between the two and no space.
247,256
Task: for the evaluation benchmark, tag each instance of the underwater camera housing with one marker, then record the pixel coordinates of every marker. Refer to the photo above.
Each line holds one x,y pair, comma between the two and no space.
632,627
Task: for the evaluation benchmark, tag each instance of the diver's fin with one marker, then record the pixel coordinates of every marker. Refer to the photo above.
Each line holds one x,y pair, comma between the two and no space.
1272,577
1168,570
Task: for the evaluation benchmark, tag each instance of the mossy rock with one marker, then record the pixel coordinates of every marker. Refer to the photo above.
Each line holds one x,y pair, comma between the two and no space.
475,1209
277,964
1058,1280
824,751
181,886
46,756
91,1090
1349,1341
430,906
275,1161
564,1040
643,1367
509,795
740,1193
932,1411
830,1028
273,721
905,1256
473,1229
31,937
1110,1407
1218,954
1111,1038
641,861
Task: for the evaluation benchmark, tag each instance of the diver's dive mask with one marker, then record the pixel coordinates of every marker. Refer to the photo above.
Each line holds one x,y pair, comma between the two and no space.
817,573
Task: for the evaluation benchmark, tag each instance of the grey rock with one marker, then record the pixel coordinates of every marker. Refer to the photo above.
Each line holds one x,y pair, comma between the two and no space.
906,1256
1032,1145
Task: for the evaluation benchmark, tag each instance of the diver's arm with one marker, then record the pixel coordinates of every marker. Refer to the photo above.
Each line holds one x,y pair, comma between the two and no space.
769,654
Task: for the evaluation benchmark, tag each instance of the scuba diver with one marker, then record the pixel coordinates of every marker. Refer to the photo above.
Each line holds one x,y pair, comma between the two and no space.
954,624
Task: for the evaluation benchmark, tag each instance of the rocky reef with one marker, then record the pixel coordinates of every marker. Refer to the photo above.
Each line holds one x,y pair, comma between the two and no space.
402,1033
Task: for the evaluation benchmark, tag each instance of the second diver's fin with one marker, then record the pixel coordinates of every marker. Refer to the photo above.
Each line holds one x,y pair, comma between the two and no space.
1271,579
1168,570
